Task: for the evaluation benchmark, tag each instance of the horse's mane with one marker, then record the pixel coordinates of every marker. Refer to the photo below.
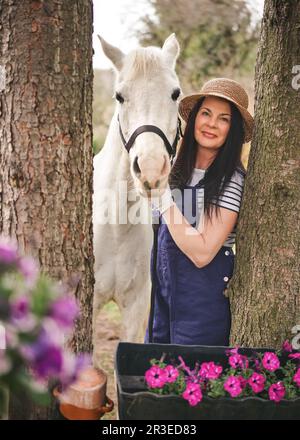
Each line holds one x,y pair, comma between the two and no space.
142,62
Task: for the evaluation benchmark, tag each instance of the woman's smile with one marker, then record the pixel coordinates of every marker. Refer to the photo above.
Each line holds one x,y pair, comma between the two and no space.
209,135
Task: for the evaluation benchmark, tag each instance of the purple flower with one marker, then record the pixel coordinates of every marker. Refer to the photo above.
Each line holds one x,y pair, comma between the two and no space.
193,394
171,373
44,356
270,361
64,311
72,366
233,386
277,392
257,382
210,371
8,251
238,361
20,307
296,377
156,377
48,361
29,269
286,346
25,324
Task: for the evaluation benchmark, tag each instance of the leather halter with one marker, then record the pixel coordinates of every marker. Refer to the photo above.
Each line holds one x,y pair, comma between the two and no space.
152,128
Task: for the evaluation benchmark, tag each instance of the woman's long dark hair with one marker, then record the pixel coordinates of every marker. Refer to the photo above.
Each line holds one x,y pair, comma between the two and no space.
220,171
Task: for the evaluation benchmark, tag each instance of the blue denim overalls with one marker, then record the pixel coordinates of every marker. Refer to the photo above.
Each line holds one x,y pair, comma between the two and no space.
190,307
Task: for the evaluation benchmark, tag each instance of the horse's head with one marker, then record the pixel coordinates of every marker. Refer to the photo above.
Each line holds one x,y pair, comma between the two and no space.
147,91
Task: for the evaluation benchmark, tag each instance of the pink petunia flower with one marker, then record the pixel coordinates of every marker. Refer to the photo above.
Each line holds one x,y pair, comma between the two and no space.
243,381
233,386
257,364
232,351
171,373
277,392
286,346
156,377
296,377
257,382
238,361
294,356
193,394
270,361
210,371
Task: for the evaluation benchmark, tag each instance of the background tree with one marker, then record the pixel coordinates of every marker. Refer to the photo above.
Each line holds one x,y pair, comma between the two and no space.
264,293
217,37
46,143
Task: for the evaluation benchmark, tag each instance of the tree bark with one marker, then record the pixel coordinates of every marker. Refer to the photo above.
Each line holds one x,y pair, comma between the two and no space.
46,142
264,291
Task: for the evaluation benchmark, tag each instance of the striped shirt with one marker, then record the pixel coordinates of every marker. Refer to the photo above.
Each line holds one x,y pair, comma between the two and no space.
229,199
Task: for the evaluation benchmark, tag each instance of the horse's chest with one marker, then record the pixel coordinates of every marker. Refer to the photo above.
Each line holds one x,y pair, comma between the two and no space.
132,270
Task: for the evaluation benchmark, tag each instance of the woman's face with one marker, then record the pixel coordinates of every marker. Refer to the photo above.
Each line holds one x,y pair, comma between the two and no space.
212,122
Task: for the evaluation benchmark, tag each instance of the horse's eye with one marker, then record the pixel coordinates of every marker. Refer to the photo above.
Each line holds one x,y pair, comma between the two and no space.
175,94
119,98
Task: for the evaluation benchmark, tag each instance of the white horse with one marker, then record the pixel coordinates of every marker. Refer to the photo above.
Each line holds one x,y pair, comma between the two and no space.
147,91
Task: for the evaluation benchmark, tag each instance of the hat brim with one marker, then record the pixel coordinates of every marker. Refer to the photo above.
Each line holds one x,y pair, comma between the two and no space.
188,103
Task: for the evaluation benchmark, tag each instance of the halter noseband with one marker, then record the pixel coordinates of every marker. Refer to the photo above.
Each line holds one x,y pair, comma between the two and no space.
152,128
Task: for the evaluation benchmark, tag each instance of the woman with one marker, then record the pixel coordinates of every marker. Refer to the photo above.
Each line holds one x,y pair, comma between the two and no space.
197,228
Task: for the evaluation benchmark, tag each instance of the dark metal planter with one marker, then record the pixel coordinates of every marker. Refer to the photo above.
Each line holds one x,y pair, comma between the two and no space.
136,403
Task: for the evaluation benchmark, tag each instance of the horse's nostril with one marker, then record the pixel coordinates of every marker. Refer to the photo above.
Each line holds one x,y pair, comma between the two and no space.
136,167
147,185
157,184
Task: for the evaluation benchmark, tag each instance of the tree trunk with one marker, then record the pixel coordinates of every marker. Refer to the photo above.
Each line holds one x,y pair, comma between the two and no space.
264,292
46,142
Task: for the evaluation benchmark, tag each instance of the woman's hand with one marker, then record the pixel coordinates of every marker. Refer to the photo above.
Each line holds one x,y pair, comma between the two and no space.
163,202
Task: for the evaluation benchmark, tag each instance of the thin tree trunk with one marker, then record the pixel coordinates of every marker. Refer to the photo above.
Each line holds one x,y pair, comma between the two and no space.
46,142
264,292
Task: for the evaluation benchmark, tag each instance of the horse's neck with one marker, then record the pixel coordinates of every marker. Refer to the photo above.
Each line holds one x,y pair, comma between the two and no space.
116,159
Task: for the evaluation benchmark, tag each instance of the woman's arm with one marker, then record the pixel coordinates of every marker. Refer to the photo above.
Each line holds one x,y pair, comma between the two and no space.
200,248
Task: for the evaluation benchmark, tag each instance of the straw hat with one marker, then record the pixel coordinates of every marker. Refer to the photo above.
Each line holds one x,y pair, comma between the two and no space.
223,88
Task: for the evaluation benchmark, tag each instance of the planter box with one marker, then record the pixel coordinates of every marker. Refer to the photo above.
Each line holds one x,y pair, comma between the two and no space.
136,403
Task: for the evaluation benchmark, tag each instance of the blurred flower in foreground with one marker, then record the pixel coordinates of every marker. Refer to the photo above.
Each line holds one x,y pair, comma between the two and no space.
36,318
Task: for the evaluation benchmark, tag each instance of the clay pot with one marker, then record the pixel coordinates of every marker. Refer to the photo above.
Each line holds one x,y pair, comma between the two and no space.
86,398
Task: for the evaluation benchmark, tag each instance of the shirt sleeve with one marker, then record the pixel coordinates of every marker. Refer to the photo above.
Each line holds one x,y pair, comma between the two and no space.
232,195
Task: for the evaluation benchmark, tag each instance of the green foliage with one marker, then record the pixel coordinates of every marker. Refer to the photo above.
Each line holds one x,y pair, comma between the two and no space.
217,37
216,389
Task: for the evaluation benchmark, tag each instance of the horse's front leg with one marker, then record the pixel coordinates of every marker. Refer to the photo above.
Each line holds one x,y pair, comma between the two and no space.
135,312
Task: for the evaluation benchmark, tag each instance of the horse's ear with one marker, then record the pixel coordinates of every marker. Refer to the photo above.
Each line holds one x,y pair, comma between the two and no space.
115,55
171,50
